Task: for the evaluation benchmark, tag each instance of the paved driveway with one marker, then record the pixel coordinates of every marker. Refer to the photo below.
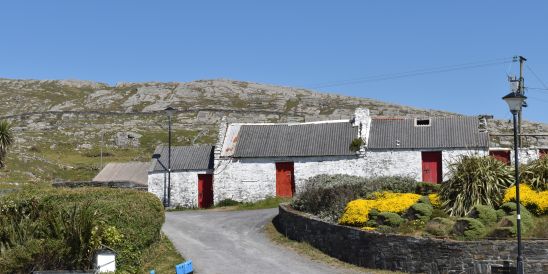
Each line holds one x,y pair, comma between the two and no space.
222,242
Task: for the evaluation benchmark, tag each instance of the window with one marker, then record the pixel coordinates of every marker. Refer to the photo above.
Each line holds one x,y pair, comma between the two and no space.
422,122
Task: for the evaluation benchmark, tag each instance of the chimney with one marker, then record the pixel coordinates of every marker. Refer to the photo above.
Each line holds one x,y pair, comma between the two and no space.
362,120
223,126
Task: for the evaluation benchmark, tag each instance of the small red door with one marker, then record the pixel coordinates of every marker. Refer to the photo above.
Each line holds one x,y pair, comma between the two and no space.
542,153
431,167
285,181
501,155
205,190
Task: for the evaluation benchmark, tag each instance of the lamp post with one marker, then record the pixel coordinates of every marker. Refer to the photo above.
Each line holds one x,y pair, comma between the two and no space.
164,198
169,111
515,101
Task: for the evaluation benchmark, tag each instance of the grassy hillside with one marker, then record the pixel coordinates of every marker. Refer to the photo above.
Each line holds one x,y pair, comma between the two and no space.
59,125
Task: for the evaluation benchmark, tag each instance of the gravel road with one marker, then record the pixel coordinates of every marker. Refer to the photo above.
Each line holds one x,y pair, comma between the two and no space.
221,242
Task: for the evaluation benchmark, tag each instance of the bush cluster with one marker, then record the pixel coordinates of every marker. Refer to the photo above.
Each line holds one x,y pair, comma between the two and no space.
327,195
356,212
46,228
536,202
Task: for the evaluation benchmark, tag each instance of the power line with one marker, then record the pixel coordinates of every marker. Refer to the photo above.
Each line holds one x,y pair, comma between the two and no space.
418,72
538,78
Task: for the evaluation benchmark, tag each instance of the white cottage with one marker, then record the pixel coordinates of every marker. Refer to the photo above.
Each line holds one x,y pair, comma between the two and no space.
259,160
191,176
256,160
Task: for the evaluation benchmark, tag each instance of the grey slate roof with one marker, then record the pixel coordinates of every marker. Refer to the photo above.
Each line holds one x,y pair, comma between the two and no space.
134,172
443,132
285,140
199,157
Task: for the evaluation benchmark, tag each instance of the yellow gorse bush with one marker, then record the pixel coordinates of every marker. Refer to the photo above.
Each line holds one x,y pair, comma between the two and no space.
434,200
536,202
356,212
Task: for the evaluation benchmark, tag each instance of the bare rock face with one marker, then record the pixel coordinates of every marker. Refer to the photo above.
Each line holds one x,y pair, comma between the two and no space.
73,106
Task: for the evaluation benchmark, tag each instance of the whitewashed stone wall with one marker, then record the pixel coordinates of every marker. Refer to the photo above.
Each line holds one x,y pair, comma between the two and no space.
184,187
450,156
525,155
251,179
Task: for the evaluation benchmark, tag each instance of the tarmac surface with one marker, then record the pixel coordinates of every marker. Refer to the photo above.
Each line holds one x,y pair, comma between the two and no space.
221,242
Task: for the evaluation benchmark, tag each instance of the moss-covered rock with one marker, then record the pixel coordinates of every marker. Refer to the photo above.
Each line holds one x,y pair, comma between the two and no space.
469,228
439,226
486,214
389,219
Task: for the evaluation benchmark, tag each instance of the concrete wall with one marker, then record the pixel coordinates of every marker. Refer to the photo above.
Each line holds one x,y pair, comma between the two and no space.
250,179
184,187
406,253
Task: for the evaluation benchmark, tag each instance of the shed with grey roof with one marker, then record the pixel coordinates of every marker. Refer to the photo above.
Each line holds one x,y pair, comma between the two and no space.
198,157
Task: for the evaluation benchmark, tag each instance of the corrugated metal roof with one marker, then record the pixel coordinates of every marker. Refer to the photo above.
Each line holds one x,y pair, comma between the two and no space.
443,132
135,172
284,140
199,157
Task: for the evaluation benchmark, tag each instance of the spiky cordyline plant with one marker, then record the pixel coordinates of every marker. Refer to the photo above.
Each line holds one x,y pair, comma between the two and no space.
535,174
6,139
474,180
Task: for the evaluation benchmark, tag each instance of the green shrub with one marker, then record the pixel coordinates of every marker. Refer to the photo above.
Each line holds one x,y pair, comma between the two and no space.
420,211
67,225
507,226
425,200
399,184
535,174
439,226
356,144
486,214
389,219
424,188
469,229
327,195
500,213
227,202
509,207
474,180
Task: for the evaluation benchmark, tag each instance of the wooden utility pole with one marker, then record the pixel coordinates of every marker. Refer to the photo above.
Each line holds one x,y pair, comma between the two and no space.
521,90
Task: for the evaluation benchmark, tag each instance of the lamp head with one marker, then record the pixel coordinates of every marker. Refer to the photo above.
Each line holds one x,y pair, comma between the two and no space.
515,101
169,111
156,156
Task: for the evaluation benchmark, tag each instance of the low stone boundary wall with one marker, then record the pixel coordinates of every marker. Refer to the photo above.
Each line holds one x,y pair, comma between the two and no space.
111,184
405,253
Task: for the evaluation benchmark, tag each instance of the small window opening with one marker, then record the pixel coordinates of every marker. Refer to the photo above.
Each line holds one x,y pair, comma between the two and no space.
422,122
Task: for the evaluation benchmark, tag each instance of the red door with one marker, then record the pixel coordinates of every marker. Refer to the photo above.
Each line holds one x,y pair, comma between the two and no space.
501,155
205,190
431,167
285,182
542,153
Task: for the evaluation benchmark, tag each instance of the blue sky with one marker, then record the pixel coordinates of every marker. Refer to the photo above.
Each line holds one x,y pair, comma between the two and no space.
290,43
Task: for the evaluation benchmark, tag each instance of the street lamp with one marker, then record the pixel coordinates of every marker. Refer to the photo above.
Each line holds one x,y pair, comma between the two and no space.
515,101
169,111
164,198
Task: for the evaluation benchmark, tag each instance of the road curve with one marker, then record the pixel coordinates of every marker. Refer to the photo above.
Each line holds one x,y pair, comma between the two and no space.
221,242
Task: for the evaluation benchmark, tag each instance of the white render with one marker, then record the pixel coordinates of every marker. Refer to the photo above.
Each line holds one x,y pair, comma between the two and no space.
184,187
251,179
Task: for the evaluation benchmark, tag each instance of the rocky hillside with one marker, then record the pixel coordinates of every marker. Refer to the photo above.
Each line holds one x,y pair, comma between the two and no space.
61,126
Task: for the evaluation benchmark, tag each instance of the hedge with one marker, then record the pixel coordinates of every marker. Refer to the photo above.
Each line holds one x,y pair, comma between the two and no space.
66,225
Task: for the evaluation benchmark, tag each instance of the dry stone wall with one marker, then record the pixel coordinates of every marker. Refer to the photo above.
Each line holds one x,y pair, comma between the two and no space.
405,253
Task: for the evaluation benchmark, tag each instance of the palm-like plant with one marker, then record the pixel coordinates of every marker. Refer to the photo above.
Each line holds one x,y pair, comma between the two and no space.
474,181
535,174
6,139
